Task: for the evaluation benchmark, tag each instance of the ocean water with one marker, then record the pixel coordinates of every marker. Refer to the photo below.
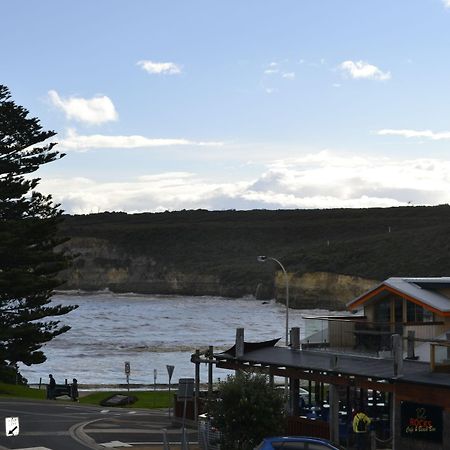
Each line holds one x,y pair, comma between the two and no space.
151,332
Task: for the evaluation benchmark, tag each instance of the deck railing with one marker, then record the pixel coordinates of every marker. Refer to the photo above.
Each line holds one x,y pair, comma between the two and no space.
361,335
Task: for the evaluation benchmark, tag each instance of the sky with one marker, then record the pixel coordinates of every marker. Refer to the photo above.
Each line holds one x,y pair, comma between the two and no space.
239,104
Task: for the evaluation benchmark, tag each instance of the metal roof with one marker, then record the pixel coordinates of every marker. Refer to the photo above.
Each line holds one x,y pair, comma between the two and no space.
421,289
351,365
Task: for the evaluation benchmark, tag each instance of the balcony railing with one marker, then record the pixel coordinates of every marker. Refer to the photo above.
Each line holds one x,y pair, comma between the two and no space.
357,334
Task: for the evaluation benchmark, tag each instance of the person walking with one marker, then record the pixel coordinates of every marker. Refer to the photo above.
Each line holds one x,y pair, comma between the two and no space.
74,390
51,388
361,424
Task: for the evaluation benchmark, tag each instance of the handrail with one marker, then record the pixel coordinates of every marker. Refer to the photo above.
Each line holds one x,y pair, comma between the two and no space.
363,319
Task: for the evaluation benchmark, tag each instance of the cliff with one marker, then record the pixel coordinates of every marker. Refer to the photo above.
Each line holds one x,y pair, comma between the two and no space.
103,266
331,256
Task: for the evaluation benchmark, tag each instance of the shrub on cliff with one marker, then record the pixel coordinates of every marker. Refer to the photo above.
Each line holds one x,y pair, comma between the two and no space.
28,225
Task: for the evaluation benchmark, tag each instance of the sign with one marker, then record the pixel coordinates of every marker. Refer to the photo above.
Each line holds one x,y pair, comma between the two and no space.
421,421
127,368
12,426
170,371
185,389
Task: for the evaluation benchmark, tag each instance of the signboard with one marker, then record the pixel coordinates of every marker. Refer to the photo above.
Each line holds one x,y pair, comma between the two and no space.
170,371
420,421
12,426
185,389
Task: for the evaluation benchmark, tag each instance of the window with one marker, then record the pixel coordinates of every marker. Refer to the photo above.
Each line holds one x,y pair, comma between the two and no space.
383,311
416,313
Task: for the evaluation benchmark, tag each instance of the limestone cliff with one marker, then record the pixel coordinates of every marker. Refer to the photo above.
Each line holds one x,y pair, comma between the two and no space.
321,289
102,265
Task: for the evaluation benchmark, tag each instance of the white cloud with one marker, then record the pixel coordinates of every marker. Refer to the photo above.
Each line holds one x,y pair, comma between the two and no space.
428,134
97,110
289,75
320,180
446,3
167,68
363,70
76,142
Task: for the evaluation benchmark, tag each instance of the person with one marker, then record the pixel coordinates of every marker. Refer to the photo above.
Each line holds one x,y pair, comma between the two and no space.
361,424
74,390
51,388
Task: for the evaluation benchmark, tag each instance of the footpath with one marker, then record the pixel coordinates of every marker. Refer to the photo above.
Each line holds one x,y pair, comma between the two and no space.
143,430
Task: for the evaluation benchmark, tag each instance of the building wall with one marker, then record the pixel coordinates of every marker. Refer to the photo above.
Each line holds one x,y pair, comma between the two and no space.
426,395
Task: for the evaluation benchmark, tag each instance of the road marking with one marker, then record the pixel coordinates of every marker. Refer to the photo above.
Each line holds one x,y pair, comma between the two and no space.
104,411
115,444
35,448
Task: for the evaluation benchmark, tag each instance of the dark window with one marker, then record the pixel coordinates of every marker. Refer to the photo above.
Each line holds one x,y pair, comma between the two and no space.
383,311
416,313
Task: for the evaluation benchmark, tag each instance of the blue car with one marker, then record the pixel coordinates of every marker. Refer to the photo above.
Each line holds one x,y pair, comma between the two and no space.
296,443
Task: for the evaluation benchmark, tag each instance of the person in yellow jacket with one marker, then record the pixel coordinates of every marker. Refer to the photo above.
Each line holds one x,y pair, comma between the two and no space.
361,424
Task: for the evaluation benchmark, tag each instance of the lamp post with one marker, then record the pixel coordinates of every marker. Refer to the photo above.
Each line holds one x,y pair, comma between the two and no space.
263,259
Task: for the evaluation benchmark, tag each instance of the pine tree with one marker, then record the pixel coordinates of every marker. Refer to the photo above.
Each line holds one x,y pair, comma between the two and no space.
29,260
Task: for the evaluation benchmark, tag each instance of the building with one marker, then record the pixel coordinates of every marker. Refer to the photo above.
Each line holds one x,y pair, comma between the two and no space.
392,359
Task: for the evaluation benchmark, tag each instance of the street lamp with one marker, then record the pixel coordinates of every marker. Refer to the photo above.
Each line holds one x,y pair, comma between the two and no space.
263,259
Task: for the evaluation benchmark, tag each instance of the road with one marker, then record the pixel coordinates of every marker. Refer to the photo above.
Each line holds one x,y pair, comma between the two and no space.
59,425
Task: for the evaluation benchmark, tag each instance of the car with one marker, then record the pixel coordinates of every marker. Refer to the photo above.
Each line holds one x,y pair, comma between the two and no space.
295,443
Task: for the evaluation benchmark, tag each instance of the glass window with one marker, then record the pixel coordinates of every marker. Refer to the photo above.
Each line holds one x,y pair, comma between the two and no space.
410,311
416,313
383,311
427,315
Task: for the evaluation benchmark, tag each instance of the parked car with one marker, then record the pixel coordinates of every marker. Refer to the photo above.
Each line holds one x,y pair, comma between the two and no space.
295,443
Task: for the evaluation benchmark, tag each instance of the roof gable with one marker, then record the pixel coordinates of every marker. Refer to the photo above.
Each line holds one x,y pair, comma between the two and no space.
417,290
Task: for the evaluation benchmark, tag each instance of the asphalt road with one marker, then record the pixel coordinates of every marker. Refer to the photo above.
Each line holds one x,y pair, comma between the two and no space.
60,425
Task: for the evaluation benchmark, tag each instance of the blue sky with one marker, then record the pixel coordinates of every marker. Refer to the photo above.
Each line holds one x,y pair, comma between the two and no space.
168,105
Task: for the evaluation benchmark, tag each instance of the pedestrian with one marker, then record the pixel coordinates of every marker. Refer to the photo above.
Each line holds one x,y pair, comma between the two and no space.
74,390
51,388
361,424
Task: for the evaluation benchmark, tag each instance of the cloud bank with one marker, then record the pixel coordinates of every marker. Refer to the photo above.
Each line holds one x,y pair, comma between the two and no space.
427,134
82,143
321,180
97,110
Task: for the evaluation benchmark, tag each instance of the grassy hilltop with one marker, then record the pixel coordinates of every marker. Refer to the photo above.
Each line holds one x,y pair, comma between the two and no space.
370,243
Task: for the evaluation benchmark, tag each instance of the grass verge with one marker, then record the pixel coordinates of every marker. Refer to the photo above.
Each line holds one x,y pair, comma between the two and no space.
15,390
146,399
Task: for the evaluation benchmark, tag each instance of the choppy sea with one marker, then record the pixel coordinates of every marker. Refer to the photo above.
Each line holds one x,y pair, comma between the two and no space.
151,332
